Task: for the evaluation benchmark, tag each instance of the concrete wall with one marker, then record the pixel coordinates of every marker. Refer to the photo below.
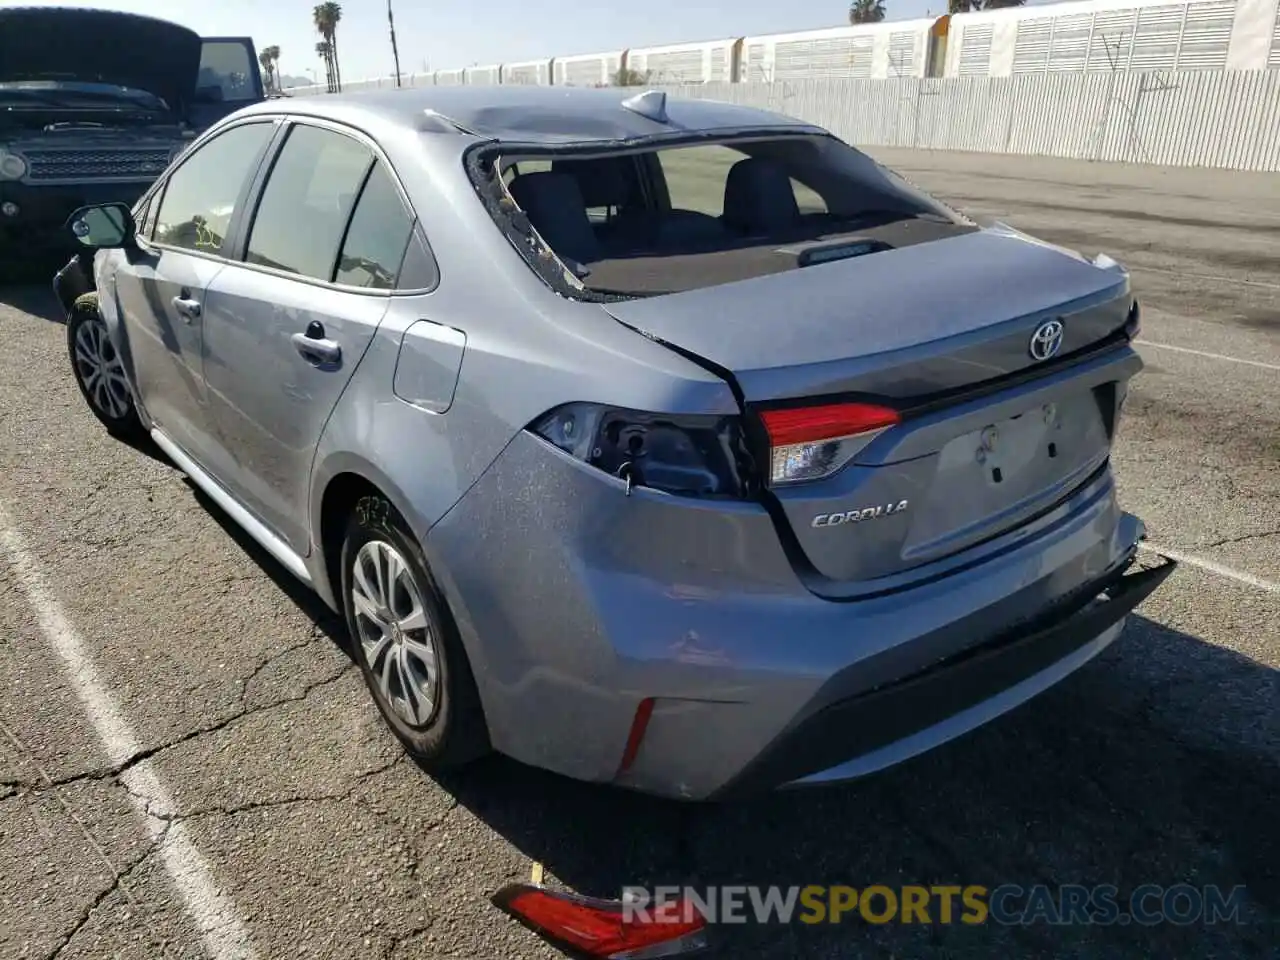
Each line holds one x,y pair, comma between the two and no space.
1229,120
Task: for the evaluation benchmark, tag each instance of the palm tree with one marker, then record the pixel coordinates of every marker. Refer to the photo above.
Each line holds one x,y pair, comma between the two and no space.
269,57
326,54
264,59
395,51
866,11
326,17
275,64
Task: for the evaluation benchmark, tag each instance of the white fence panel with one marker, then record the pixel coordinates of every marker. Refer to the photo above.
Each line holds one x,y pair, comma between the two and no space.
1183,118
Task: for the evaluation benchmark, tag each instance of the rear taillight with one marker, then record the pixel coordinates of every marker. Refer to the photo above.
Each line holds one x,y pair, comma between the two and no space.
701,456
605,928
808,443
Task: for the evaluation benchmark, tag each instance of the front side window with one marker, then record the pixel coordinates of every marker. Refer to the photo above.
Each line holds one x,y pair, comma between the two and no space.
200,197
377,236
307,202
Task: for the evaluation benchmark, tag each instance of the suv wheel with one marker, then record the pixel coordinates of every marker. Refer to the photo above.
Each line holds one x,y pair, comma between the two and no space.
405,642
99,371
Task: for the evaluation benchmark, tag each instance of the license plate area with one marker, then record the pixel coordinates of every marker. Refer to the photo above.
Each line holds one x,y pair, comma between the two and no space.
993,477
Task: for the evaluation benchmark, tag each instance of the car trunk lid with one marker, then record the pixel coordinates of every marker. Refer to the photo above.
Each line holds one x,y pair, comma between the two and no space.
898,324
989,434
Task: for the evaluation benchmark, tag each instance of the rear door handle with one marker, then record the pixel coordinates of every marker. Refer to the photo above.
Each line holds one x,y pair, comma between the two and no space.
317,349
187,308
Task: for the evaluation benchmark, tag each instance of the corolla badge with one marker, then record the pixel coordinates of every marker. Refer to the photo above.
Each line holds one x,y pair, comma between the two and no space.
1046,341
857,516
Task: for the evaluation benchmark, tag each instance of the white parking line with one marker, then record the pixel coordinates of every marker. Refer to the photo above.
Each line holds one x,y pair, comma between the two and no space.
1209,277
1211,356
1212,566
223,931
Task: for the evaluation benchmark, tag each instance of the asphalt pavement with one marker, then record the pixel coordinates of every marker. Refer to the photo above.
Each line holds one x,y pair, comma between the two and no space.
190,766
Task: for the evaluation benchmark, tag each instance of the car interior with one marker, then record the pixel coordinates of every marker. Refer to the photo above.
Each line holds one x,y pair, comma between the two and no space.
613,219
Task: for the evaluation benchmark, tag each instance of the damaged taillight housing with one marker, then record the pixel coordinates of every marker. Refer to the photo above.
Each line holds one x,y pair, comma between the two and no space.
685,455
813,442
1133,322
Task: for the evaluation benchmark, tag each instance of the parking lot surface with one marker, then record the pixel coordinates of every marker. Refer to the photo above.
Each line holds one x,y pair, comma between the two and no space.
190,766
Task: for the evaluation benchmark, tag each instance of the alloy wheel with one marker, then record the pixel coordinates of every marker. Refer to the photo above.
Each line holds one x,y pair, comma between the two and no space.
395,633
99,368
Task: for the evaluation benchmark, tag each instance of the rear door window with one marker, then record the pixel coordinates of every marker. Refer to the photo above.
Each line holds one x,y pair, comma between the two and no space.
307,202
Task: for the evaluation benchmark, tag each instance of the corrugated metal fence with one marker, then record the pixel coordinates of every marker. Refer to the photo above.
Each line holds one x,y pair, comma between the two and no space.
1193,119
1229,120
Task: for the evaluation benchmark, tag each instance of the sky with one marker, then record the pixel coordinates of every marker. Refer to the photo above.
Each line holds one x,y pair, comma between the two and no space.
458,33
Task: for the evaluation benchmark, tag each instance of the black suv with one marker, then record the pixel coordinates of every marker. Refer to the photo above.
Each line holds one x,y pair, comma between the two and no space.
95,104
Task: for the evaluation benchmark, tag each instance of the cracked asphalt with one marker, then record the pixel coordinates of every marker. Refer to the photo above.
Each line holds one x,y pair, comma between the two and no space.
1158,763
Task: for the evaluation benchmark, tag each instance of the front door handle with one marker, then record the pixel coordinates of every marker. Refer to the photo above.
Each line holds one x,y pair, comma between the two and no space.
187,308
317,350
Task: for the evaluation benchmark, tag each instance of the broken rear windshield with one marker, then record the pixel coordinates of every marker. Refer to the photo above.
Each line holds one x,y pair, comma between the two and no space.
677,217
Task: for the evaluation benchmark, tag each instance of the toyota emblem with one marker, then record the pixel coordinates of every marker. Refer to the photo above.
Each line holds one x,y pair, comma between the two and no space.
1047,340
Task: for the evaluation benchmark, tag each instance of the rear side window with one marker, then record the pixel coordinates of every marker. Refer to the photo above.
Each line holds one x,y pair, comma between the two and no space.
200,196
378,235
307,202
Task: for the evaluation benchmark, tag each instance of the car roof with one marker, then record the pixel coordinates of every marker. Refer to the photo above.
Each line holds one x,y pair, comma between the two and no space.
532,114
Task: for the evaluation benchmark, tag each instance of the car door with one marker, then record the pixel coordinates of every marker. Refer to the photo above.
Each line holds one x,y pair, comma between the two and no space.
159,287
285,329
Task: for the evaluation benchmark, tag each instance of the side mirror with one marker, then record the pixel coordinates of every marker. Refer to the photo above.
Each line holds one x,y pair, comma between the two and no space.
104,226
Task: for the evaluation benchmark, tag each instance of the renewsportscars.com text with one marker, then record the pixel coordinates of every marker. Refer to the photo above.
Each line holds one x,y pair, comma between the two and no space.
1008,904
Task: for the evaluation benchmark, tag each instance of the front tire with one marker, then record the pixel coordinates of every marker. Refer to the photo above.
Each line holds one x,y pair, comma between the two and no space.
99,371
405,642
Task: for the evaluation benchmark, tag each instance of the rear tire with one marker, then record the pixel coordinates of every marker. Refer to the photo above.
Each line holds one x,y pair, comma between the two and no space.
99,372
406,643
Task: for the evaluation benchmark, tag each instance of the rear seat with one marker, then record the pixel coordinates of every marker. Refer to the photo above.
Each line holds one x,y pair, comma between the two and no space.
758,200
553,202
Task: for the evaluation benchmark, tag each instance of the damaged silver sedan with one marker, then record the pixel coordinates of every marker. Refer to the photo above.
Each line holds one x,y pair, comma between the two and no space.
669,444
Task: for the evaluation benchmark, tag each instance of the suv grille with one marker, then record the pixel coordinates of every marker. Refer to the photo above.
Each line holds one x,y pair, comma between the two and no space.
131,164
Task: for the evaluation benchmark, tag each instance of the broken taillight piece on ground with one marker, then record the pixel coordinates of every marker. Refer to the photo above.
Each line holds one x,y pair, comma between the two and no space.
588,927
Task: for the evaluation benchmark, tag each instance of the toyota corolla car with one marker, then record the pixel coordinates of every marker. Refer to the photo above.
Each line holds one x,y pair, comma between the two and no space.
664,443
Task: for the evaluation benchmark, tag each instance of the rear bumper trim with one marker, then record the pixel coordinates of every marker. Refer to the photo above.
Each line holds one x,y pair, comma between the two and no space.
859,725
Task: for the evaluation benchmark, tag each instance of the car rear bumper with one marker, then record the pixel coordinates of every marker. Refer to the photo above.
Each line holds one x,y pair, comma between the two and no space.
578,603
862,734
